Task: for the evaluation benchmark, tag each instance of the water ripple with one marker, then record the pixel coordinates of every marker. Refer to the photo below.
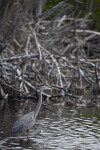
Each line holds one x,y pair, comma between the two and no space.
71,130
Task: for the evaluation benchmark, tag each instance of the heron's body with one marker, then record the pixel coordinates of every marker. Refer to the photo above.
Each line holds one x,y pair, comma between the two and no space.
26,122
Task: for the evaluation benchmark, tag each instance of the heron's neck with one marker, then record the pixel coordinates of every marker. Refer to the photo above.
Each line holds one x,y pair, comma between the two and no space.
36,111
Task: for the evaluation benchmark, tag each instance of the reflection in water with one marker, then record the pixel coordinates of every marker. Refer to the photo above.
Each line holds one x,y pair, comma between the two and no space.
60,129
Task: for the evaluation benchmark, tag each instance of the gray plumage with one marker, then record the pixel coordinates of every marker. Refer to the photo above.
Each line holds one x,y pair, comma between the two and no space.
26,122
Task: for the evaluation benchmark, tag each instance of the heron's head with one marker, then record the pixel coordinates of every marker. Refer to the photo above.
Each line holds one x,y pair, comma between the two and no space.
45,87
48,87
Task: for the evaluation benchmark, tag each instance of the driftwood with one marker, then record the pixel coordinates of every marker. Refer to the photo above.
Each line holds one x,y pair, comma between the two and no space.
37,49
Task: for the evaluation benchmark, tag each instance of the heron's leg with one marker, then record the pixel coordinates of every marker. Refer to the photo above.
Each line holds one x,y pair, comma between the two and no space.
20,133
28,134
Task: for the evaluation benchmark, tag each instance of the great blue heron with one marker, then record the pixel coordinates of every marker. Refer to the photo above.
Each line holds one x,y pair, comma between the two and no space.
26,122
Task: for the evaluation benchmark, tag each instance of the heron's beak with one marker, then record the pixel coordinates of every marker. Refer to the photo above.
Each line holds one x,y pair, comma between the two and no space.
56,89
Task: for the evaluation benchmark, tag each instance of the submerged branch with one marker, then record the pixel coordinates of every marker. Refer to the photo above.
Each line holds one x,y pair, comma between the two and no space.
38,48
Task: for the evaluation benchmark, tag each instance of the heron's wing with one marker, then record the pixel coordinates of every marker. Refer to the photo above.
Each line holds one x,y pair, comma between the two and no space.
24,123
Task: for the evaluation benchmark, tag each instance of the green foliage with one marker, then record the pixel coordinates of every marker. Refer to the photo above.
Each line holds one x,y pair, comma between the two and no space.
95,16
51,3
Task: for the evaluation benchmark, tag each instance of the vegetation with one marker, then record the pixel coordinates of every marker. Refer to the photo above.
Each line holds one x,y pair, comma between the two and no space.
49,42
86,6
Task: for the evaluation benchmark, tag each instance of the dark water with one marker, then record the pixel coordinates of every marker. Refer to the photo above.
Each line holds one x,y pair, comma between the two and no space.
61,128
